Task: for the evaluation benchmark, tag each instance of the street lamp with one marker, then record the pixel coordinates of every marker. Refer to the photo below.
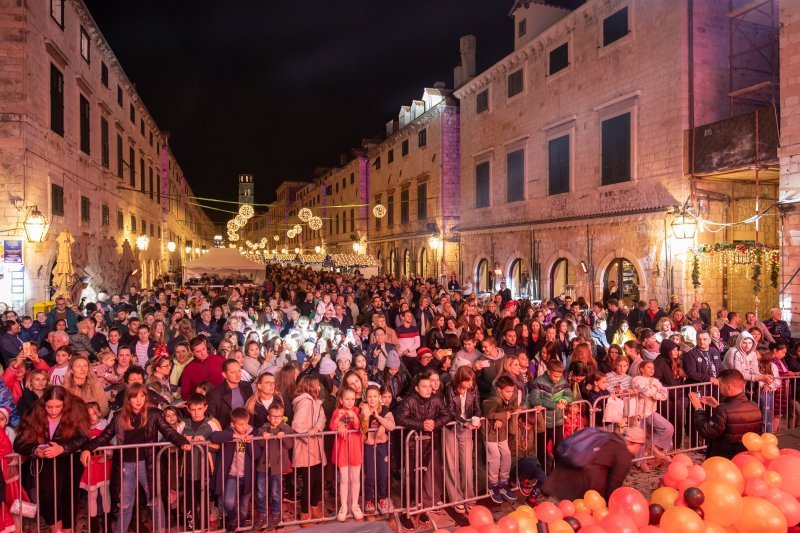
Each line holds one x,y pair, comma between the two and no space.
435,244
142,242
296,250
171,246
36,226
197,250
317,249
684,227
188,249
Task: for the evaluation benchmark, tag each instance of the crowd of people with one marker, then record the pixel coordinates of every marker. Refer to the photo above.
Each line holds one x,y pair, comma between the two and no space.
244,369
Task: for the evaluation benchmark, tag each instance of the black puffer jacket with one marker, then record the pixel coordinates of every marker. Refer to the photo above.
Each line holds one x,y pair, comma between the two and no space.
414,410
725,427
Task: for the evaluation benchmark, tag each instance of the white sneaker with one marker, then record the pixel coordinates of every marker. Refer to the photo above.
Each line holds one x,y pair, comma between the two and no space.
357,514
342,515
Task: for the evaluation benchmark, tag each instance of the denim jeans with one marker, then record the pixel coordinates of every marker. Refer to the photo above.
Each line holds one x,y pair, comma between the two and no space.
275,495
766,402
234,499
134,474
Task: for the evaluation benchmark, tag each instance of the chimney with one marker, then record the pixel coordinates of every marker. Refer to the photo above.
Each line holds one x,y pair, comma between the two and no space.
391,127
458,76
468,45
343,159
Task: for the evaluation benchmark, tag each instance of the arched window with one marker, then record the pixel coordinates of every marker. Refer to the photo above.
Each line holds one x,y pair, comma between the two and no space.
407,263
423,262
519,279
562,277
621,281
483,276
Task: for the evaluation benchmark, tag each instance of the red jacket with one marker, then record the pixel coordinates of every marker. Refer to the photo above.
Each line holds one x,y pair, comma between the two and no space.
14,384
198,371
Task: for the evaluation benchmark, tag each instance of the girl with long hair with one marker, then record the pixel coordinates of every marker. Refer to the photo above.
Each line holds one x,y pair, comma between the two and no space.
136,423
82,382
54,429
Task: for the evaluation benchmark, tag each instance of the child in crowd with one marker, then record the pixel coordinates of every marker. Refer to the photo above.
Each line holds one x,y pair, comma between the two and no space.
498,410
96,477
766,393
598,388
551,391
199,464
377,423
104,369
5,426
58,371
203,387
80,342
347,452
238,455
274,463
619,381
659,429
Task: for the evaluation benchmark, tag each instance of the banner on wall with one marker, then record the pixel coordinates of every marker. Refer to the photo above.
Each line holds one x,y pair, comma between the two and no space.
12,251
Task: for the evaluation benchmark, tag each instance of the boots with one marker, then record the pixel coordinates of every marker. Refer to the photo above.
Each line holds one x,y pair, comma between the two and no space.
316,511
304,518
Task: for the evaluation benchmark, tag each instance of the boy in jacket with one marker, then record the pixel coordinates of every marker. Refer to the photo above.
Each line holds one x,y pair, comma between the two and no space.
234,477
498,410
551,391
270,468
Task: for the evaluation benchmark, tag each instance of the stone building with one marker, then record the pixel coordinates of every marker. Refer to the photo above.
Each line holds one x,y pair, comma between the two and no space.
77,142
576,155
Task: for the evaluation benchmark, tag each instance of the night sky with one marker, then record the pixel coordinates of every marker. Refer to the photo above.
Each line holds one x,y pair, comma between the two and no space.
278,88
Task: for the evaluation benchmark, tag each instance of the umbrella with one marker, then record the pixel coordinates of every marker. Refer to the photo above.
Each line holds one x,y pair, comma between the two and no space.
63,271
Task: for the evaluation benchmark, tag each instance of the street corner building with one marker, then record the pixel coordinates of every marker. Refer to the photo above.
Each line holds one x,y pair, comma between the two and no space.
78,146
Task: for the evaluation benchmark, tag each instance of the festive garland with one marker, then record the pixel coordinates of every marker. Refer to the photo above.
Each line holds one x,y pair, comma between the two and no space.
744,253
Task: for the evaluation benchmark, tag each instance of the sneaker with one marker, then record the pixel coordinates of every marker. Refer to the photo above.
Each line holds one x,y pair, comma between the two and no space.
460,509
369,508
341,516
424,519
274,520
526,486
407,523
507,492
260,523
662,455
534,498
189,521
357,513
494,493
384,506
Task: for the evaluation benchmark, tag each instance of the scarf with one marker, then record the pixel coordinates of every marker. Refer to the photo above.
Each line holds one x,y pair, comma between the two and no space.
648,355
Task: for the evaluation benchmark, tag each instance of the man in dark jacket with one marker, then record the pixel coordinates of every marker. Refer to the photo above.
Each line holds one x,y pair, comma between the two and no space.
607,471
702,363
731,419
425,413
615,317
653,314
228,395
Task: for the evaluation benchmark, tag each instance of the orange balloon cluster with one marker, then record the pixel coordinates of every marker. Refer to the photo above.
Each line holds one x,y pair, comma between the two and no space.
756,492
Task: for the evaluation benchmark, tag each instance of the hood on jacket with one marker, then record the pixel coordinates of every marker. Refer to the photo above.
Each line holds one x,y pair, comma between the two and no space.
738,342
666,348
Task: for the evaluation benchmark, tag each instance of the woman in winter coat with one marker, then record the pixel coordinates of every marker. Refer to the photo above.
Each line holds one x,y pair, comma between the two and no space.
309,452
743,356
136,424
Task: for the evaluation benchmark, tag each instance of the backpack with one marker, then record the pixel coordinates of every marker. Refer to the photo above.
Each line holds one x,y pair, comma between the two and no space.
577,450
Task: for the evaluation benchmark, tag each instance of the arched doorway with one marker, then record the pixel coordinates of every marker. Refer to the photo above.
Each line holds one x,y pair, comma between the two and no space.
483,277
519,279
621,281
562,278
379,257
407,263
423,262
392,263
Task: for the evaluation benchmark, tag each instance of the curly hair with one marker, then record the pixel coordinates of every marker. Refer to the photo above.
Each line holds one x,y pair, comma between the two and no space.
34,426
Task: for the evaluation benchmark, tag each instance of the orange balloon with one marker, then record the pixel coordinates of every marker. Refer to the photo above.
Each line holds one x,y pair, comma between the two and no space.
722,502
753,469
770,452
619,523
681,520
480,516
599,514
560,526
773,479
760,516
508,524
752,441
788,466
769,439
527,509
721,469
712,527
664,496
526,522
756,487
580,506
593,500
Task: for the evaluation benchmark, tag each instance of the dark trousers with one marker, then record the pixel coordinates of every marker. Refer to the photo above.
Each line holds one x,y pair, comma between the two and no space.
376,471
312,486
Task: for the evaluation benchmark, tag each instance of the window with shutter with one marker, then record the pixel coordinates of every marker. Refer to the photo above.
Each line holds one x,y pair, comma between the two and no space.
390,211
132,166
515,83
404,207
120,221
615,26
56,100
56,200
120,160
106,216
559,58
422,138
422,201
616,149
404,148
482,185
105,154
86,209
84,125
558,165
515,176
482,101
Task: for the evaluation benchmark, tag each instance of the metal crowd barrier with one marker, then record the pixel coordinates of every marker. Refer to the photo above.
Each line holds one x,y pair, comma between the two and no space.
779,402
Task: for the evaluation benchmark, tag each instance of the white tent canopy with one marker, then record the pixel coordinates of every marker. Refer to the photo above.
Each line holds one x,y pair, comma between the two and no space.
224,262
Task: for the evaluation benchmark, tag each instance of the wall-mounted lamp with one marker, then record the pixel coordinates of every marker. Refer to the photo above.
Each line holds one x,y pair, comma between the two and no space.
36,226
171,246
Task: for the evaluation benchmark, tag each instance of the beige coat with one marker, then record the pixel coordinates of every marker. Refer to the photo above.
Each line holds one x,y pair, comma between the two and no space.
308,414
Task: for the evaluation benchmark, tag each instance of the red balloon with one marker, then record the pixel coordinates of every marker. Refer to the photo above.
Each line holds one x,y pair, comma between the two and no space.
787,503
507,524
619,523
680,502
592,529
743,457
668,481
651,529
465,529
756,487
683,485
490,528
697,474
547,512
586,519
678,471
480,516
682,458
790,451
630,502
567,507
788,466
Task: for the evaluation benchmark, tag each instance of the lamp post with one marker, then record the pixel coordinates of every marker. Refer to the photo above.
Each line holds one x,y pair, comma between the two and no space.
435,244
142,242
36,226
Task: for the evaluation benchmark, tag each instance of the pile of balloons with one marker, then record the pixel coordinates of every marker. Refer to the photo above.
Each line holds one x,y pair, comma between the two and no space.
756,492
